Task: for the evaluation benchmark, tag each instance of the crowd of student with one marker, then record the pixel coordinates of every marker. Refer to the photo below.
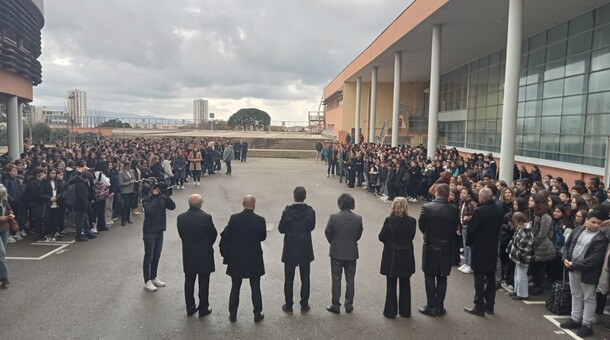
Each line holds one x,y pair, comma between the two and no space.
544,224
91,185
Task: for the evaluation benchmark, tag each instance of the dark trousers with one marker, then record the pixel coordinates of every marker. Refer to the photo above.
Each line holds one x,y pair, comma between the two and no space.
400,303
351,179
53,218
331,167
189,291
436,290
337,267
244,154
126,211
100,213
257,299
196,175
153,244
228,163
485,289
289,271
539,271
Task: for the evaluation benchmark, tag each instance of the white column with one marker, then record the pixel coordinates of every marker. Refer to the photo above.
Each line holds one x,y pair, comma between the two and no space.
435,78
607,164
396,99
21,128
12,110
511,89
373,117
357,125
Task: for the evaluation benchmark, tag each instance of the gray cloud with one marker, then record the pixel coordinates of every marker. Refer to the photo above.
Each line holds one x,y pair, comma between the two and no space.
155,57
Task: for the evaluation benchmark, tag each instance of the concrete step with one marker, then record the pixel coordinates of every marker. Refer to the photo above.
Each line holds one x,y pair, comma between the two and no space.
282,153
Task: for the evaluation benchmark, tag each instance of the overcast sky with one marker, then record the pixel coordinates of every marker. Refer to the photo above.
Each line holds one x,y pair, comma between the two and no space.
155,57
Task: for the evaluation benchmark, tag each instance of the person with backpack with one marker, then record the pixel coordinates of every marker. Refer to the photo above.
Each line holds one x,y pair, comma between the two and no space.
77,196
544,248
561,228
101,189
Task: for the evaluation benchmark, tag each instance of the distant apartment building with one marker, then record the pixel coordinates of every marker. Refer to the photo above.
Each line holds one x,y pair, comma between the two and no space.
200,112
51,117
77,107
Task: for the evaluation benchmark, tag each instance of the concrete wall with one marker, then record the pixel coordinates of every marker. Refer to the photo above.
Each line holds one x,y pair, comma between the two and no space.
13,84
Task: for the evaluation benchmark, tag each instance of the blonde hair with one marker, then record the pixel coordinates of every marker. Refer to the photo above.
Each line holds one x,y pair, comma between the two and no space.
399,207
519,220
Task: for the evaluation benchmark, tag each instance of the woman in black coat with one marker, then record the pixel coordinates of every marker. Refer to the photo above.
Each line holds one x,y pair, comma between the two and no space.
397,260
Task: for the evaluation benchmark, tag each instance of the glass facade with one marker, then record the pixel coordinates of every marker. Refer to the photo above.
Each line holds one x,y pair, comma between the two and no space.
564,94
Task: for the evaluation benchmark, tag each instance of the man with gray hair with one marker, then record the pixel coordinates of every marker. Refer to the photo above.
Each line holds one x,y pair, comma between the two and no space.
483,236
198,234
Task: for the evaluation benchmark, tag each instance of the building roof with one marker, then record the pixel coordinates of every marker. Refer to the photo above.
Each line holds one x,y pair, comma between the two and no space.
471,29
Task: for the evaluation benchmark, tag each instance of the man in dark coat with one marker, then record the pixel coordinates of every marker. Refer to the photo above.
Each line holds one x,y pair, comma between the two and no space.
483,235
297,223
343,231
241,248
438,221
198,234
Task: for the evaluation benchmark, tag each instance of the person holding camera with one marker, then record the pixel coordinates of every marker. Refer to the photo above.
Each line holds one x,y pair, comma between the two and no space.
154,227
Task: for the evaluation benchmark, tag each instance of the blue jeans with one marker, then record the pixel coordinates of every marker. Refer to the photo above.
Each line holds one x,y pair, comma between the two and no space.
521,280
153,243
81,223
466,249
3,266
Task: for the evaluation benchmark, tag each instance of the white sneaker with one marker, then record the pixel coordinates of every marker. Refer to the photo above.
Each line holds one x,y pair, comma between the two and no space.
10,239
149,286
467,270
158,283
23,233
198,183
462,267
194,183
182,187
17,236
94,230
109,222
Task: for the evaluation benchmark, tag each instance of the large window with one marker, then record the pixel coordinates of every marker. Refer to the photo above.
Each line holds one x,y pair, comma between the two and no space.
564,94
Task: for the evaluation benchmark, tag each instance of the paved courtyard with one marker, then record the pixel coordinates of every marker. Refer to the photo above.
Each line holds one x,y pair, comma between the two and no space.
94,290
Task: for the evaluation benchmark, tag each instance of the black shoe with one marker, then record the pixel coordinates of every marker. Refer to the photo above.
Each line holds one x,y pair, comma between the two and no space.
4,282
440,311
570,324
102,229
405,315
349,309
512,294
489,310
190,312
389,316
474,310
333,309
91,236
427,311
519,298
287,310
205,312
122,223
584,331
259,317
129,221
305,309
81,238
232,317
537,291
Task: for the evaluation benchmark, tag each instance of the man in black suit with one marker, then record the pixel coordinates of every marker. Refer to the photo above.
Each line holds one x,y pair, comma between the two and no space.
297,223
242,252
198,234
343,231
483,233
438,222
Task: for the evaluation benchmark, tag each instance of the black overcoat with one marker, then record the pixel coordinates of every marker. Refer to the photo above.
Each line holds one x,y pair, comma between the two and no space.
397,259
483,236
297,223
198,234
241,240
438,221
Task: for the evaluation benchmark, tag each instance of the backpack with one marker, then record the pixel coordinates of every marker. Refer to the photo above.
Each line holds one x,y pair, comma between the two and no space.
70,192
558,239
100,189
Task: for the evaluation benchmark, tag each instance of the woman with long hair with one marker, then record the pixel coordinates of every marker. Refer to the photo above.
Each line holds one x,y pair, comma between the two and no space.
544,248
398,260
